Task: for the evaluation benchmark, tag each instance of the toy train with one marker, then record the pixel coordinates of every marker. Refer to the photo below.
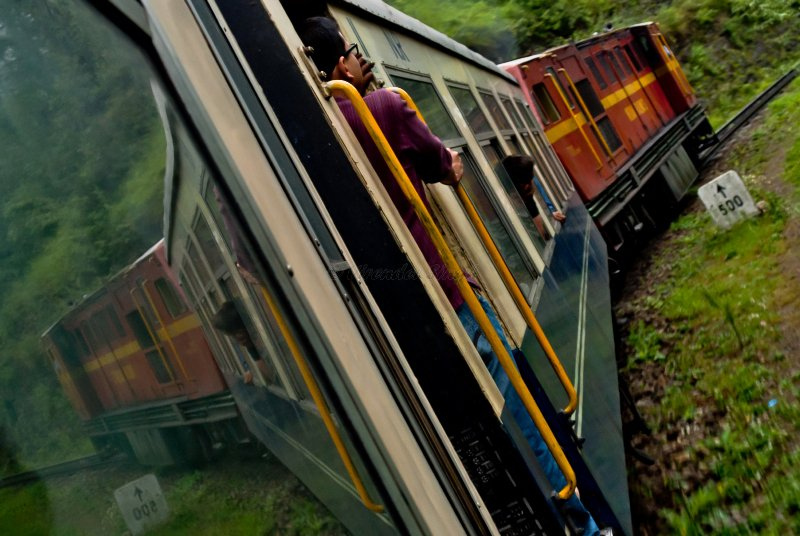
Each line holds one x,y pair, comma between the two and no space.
363,381
624,121
134,362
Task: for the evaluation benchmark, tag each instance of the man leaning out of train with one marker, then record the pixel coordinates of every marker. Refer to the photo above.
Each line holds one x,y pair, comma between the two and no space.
425,158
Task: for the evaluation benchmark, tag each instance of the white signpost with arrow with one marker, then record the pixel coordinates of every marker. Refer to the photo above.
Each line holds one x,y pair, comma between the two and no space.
142,504
727,200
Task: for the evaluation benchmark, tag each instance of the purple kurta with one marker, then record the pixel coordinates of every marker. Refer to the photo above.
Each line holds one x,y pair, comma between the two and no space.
424,158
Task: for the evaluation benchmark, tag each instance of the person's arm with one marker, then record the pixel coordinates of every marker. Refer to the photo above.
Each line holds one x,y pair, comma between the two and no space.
432,160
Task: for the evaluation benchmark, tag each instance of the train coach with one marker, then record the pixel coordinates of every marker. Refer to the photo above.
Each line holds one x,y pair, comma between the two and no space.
369,388
624,121
134,362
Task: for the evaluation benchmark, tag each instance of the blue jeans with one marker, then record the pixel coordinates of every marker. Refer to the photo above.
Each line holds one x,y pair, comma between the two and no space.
577,512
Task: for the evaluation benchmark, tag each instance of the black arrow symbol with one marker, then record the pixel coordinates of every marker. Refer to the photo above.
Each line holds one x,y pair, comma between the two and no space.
721,190
138,493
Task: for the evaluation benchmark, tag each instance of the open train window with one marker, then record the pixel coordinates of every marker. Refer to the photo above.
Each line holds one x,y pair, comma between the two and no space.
544,104
595,72
589,97
524,274
170,297
139,329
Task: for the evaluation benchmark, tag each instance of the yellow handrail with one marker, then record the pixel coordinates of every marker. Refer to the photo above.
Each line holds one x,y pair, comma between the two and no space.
322,406
508,279
574,116
588,114
153,336
166,329
460,280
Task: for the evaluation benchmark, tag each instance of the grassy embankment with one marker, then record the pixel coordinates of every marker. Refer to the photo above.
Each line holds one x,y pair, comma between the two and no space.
233,499
717,330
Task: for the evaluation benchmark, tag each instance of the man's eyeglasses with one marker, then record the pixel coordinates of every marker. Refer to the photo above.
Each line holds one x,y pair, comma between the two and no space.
352,48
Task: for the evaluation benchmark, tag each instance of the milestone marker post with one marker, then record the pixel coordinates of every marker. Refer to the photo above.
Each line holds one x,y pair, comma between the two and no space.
142,504
727,200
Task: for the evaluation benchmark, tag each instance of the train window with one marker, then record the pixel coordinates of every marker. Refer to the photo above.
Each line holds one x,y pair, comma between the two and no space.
607,129
596,72
170,297
159,366
624,63
618,75
472,112
395,45
589,97
633,58
494,110
520,209
139,329
544,104
111,314
602,57
512,112
509,250
430,105
208,245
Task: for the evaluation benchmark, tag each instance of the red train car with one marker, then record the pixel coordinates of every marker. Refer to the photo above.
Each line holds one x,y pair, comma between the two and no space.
624,120
134,362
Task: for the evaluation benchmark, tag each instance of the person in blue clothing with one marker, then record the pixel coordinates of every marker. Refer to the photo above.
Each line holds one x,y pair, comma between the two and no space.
520,170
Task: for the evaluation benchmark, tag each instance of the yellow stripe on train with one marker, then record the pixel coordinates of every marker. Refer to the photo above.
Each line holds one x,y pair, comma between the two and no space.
112,358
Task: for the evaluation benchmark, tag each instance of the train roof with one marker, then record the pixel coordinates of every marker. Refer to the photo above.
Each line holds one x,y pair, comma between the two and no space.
401,21
583,43
98,292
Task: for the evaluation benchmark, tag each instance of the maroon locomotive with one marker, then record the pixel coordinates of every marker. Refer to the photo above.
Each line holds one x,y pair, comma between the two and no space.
134,362
624,120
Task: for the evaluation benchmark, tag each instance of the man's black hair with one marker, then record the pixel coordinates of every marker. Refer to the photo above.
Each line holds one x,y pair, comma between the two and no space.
228,320
322,34
519,168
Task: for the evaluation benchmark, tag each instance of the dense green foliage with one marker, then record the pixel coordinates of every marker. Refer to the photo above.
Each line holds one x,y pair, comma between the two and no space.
81,163
730,48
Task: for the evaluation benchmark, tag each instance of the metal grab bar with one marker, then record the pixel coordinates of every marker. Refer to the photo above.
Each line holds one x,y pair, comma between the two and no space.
153,335
460,280
508,279
322,406
574,116
587,113
166,329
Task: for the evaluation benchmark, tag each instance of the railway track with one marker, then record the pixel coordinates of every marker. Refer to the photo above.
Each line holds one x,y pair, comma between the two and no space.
727,130
60,469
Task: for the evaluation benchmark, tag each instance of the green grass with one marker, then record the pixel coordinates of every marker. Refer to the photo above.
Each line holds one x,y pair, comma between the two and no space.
717,337
232,498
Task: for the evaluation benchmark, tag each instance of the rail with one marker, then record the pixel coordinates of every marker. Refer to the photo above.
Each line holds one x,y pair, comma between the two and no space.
59,469
747,112
508,279
460,280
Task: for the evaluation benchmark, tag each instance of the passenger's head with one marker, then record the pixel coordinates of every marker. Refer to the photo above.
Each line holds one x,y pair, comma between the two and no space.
229,321
520,169
332,54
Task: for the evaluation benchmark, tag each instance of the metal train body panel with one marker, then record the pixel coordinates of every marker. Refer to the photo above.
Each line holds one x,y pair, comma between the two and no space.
366,386
132,359
575,310
619,111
